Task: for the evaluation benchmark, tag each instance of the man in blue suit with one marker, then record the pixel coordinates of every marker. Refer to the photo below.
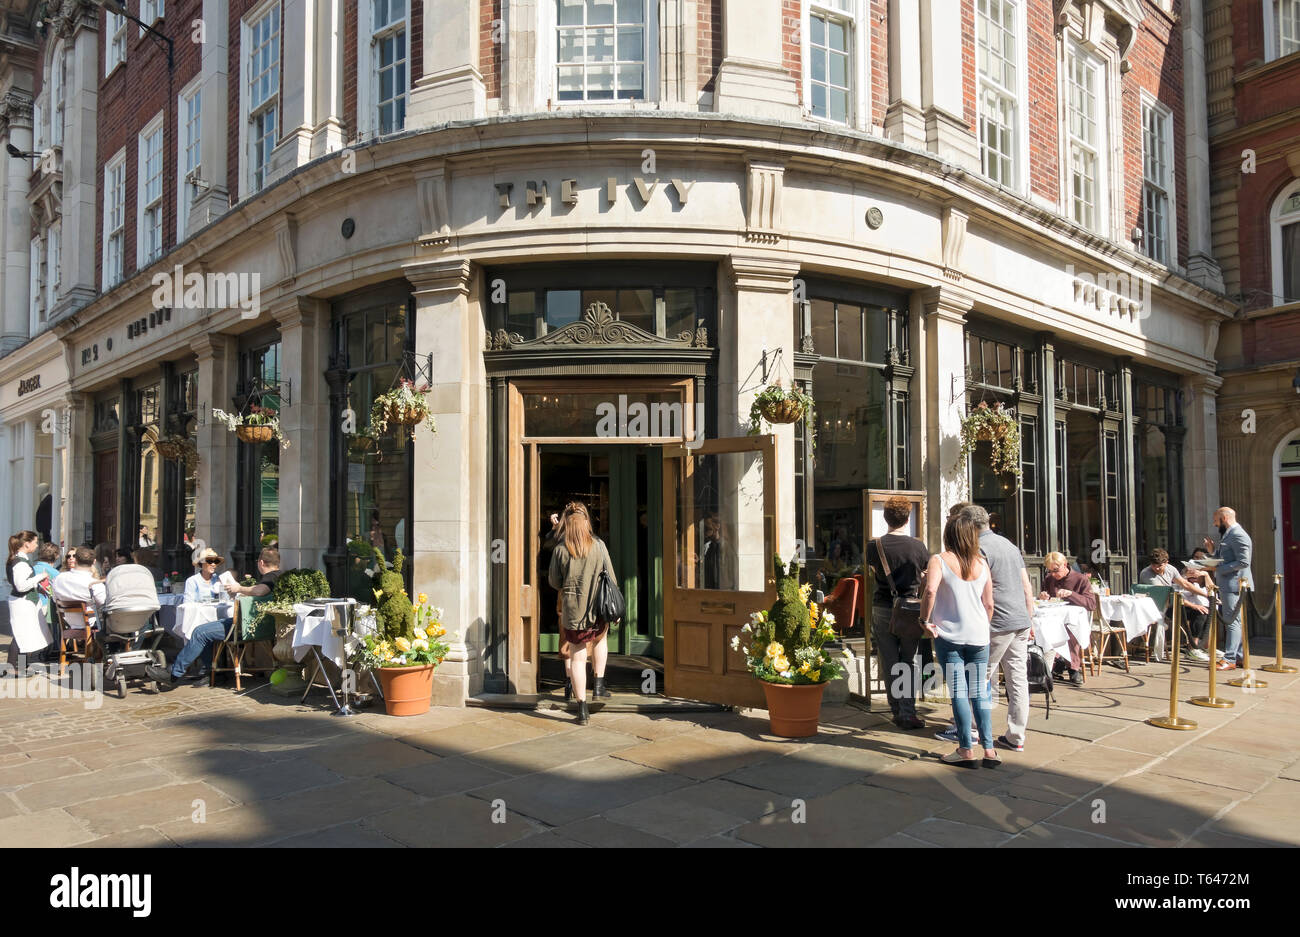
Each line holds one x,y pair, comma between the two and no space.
1234,549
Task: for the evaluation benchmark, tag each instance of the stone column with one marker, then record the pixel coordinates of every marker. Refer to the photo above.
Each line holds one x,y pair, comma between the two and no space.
327,115
1201,265
1201,453
16,111
450,534
214,123
81,220
752,79
762,320
944,369
297,87
519,91
679,82
6,509
451,87
946,132
904,122
214,510
79,508
304,466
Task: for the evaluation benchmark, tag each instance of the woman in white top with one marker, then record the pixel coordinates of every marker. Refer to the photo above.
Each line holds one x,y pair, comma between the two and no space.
956,609
28,626
204,586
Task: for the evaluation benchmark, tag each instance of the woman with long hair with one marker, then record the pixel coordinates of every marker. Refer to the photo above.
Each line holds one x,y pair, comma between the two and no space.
29,627
576,565
956,609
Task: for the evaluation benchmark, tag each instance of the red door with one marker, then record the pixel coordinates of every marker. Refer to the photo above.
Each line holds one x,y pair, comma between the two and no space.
106,497
1291,548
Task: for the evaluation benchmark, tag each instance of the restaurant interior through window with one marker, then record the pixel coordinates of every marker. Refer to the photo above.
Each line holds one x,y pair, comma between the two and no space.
1158,433
855,337
258,503
372,510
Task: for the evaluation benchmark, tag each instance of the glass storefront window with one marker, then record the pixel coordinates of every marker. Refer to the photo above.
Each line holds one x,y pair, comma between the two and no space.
259,489
150,472
638,415
1084,484
1157,450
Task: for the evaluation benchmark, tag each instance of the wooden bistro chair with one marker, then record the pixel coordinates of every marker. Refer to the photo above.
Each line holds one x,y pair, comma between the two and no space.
74,640
1104,632
234,646
1161,596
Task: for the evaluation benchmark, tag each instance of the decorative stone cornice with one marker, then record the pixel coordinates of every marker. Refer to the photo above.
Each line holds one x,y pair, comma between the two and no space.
68,16
296,311
598,326
16,109
945,302
210,345
436,276
762,274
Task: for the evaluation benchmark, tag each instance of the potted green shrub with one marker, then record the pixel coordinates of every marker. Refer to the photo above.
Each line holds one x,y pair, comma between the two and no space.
407,648
785,652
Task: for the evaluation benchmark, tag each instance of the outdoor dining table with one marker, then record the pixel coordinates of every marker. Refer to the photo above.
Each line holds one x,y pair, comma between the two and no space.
183,618
320,630
1053,625
1137,612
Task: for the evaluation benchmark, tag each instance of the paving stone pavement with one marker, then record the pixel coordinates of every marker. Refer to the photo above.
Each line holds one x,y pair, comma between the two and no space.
211,767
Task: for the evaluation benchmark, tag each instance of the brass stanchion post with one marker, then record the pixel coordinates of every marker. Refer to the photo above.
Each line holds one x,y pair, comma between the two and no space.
1247,679
1212,701
1172,721
1278,667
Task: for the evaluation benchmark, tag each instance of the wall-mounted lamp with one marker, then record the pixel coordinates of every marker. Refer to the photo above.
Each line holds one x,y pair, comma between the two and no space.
19,154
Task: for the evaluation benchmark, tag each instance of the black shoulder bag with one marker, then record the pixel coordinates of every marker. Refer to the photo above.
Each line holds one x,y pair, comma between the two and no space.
607,603
905,619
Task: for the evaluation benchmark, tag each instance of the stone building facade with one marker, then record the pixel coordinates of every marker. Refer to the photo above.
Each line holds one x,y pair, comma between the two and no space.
542,206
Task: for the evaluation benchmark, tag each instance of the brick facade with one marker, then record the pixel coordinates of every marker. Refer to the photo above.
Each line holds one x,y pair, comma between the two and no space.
350,70
708,36
489,46
791,45
1044,131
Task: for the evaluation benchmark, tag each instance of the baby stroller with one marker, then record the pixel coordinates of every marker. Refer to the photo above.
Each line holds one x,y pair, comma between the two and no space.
128,636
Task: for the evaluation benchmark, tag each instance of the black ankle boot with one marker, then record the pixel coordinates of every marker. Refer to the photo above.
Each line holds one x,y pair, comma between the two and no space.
568,690
584,715
598,690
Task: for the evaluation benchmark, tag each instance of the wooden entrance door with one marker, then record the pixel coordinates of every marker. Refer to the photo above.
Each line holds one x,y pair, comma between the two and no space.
106,497
720,535
1290,549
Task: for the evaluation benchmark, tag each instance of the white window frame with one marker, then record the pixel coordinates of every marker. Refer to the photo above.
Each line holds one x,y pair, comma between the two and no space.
849,12
1150,104
1276,222
151,11
368,73
36,284
184,193
114,197
404,25
548,55
1108,183
273,100
142,208
114,37
1020,155
1272,38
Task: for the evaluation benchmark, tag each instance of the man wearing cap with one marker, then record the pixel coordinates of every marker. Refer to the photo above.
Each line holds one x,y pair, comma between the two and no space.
204,586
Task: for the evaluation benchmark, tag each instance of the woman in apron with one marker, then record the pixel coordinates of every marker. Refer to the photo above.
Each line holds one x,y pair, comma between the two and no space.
29,627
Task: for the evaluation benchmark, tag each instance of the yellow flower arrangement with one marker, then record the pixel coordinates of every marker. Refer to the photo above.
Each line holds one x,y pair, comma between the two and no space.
402,644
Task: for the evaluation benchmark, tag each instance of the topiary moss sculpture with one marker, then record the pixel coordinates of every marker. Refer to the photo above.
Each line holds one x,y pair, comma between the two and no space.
789,614
395,611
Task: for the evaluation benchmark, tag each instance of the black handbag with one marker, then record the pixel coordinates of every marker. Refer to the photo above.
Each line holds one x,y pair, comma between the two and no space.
905,618
607,602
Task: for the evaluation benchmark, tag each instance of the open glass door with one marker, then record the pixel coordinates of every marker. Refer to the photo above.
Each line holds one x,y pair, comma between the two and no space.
720,534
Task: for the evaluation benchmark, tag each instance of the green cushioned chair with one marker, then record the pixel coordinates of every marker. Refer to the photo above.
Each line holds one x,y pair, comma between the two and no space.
1161,596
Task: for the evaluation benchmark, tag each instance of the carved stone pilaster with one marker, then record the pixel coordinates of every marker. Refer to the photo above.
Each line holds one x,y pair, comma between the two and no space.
286,243
435,220
763,201
954,239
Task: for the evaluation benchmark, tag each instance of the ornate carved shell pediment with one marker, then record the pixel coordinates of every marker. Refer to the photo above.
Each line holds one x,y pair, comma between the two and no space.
599,326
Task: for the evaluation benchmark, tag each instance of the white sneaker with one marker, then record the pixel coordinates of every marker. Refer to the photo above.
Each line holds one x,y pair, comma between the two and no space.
1217,653
1197,654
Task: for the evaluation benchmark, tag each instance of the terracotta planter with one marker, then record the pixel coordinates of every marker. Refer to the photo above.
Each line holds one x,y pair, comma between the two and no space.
793,711
407,690
253,433
784,411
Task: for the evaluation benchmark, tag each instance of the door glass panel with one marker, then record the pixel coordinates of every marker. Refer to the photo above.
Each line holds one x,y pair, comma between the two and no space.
634,415
723,540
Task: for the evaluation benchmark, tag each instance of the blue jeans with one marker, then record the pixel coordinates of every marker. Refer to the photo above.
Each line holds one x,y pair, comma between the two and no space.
965,668
201,643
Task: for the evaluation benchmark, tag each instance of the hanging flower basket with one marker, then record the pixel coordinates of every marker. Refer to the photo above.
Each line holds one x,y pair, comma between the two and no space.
776,405
997,426
176,448
361,444
258,425
405,406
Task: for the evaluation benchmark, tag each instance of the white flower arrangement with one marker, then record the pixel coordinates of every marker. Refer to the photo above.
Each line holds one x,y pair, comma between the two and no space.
257,416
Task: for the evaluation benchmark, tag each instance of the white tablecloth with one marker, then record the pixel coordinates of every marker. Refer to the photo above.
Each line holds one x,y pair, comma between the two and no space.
183,618
1053,625
319,626
1137,612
